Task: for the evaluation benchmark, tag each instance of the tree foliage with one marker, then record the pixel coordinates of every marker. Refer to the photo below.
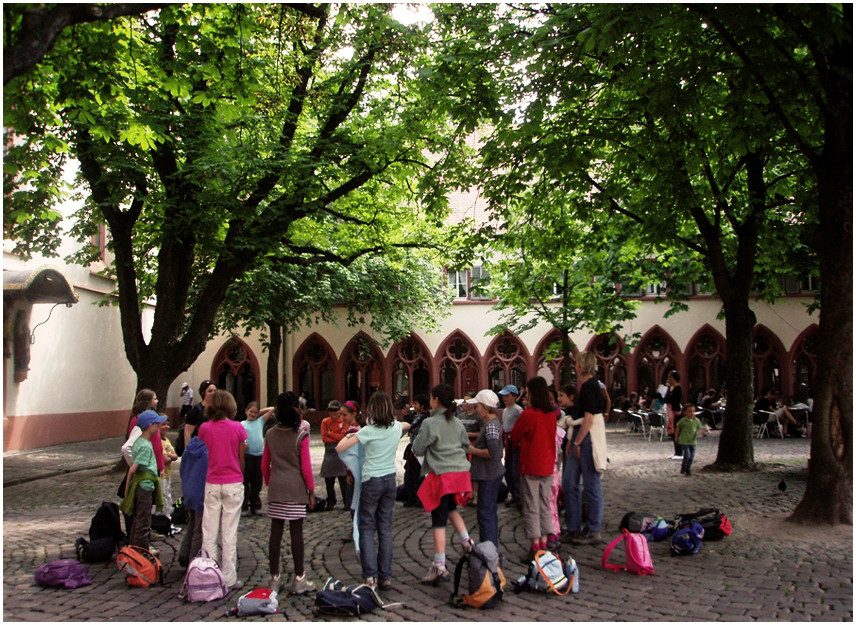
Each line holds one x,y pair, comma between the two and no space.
208,134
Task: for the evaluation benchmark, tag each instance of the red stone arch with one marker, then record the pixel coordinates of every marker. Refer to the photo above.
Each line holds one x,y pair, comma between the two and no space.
803,361
551,369
507,362
409,367
612,364
770,359
705,361
314,367
654,357
361,368
235,368
458,364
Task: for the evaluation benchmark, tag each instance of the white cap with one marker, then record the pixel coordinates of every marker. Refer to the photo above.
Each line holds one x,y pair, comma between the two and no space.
486,397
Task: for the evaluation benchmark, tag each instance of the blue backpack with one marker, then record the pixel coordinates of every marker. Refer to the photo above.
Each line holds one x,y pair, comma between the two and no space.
337,599
687,539
657,530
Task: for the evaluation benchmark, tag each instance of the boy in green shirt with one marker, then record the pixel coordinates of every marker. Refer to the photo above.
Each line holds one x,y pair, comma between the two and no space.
143,488
686,434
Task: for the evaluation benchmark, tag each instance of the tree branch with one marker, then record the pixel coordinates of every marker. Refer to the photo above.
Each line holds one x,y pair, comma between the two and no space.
41,26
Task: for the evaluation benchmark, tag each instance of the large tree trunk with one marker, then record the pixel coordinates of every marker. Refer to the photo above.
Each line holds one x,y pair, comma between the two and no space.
274,350
736,451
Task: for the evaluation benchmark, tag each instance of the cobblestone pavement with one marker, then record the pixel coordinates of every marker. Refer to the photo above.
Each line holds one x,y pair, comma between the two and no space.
767,570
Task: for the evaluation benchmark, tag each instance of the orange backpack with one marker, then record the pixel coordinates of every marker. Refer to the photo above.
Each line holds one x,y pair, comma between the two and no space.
141,568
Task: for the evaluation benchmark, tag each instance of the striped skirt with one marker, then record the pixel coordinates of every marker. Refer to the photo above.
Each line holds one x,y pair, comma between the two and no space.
286,510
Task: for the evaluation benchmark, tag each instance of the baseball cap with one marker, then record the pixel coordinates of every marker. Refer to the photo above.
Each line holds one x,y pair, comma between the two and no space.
147,417
510,389
486,397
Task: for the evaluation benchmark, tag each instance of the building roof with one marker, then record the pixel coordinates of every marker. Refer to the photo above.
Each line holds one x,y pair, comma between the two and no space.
43,285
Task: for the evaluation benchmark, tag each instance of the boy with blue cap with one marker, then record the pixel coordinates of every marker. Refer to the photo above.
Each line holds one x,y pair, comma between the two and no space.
143,488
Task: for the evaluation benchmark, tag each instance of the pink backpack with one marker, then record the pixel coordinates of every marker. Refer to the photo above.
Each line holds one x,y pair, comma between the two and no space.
638,557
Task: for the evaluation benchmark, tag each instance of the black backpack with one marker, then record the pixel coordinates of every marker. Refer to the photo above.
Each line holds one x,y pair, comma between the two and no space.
161,524
715,524
106,524
337,599
99,550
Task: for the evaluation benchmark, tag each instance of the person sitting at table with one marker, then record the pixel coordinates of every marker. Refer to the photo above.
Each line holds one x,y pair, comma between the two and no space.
769,402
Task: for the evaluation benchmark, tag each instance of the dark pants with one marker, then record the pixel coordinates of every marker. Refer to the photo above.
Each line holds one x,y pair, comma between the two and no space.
252,482
330,482
191,541
412,477
377,503
486,510
141,524
512,471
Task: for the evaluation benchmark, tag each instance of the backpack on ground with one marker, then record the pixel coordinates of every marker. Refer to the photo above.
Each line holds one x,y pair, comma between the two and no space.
637,521
258,601
337,599
99,550
204,580
638,557
106,523
716,525
687,539
657,530
548,572
162,524
485,579
179,512
141,568
63,573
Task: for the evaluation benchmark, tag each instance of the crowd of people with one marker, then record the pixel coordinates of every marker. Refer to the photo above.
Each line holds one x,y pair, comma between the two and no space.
541,448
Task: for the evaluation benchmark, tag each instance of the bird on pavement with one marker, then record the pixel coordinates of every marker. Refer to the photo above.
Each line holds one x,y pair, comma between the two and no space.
782,486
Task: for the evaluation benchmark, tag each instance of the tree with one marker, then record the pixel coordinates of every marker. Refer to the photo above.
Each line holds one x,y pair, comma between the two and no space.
800,58
209,134
391,294
644,108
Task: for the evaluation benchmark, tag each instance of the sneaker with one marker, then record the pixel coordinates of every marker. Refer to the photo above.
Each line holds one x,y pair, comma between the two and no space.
274,583
301,585
174,530
370,582
436,574
553,545
385,584
569,537
467,545
155,552
676,458
589,538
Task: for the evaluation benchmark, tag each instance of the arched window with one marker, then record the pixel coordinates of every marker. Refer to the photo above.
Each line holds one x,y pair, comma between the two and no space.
459,364
236,370
804,361
655,358
706,362
362,368
611,363
411,370
506,363
767,358
314,364
549,359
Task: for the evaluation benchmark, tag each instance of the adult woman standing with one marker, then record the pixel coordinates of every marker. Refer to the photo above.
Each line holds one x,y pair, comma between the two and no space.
535,433
196,416
674,407
443,441
486,468
333,430
586,455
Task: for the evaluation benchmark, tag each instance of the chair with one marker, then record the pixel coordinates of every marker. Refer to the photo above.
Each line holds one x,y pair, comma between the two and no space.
656,422
760,420
639,422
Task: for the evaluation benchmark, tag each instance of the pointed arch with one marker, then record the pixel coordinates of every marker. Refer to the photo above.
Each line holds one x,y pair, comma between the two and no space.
459,363
235,368
507,362
772,366
314,367
361,368
612,363
655,356
551,370
803,360
409,367
705,361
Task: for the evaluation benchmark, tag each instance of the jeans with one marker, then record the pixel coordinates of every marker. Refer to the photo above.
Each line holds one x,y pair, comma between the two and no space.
222,514
512,472
377,502
591,482
486,510
688,453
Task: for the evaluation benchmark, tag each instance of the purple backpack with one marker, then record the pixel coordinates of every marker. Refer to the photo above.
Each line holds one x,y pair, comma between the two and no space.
64,573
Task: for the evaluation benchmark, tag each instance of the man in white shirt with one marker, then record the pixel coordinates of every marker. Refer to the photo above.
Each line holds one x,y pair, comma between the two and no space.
186,400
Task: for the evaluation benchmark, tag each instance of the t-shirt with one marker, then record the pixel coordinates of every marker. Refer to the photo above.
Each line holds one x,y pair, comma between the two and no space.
490,438
381,445
591,398
765,404
196,417
223,439
675,398
509,417
167,449
687,430
255,436
143,455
